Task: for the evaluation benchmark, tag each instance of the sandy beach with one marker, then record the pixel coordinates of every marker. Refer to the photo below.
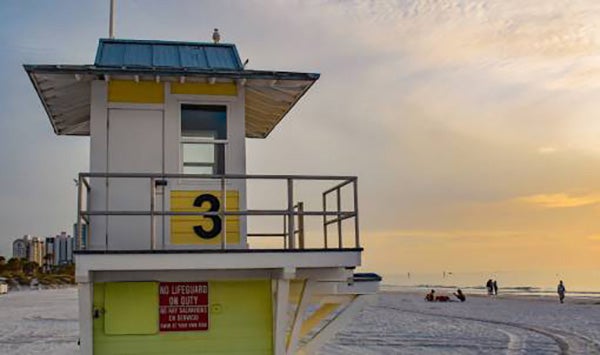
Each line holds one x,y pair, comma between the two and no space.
39,322
45,322
403,323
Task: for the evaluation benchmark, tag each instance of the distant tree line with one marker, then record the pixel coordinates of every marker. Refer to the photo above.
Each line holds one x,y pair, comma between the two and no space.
22,272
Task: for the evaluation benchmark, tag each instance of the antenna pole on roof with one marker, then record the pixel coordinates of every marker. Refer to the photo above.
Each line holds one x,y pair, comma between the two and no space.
111,24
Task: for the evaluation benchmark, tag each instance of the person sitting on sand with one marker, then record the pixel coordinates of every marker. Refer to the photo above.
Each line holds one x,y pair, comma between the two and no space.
442,299
430,297
460,295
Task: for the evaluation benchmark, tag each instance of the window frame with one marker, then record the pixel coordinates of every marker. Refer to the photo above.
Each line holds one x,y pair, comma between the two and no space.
215,142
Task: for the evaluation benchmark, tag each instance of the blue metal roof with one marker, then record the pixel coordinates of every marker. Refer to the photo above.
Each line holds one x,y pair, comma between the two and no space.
166,54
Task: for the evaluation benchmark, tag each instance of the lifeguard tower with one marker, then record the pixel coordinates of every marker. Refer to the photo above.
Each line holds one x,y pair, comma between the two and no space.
171,263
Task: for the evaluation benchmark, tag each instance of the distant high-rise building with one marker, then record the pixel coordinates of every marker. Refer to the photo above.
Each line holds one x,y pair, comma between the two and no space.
20,249
64,245
36,250
30,248
49,254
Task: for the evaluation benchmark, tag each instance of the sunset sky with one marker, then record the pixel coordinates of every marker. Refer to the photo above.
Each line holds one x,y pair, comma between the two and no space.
474,126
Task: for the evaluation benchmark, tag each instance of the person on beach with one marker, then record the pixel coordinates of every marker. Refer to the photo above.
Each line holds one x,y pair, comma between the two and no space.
495,287
442,298
460,295
490,287
430,297
561,291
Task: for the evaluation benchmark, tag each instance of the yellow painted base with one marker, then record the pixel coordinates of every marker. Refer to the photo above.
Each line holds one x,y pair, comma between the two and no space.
240,320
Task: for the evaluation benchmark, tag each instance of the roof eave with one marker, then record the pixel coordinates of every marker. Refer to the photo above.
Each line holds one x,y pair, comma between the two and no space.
39,94
89,70
234,74
286,112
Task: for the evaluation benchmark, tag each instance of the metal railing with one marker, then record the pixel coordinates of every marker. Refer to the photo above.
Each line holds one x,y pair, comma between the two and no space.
341,217
293,215
284,234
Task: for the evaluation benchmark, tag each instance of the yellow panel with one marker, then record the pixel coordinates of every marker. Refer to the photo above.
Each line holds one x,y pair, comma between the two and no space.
224,89
240,322
143,92
131,308
317,317
182,227
296,290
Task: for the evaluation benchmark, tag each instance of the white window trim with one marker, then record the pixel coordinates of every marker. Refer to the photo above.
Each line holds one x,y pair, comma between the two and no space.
202,101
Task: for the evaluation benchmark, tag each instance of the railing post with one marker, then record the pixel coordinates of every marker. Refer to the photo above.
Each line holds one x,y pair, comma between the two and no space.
301,225
339,217
325,220
79,204
223,216
163,193
88,204
285,240
290,193
152,208
107,207
356,229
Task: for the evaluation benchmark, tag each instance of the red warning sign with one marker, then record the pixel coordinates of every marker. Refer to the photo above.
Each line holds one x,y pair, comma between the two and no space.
183,306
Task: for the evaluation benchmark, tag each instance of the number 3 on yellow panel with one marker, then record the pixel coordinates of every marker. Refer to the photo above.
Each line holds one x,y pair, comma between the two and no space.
217,223
203,230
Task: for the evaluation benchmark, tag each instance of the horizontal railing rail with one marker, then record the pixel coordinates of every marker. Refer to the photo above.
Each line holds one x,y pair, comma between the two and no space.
347,214
217,176
293,215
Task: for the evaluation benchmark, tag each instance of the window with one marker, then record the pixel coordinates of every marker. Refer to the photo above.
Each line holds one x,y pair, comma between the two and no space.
203,132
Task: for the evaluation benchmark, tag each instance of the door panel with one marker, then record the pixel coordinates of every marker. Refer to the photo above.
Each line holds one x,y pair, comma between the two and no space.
135,145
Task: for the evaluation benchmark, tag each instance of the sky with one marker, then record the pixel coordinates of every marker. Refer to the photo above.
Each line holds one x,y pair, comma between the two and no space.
472,125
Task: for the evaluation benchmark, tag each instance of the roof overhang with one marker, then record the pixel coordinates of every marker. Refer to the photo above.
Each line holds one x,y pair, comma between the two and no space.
65,92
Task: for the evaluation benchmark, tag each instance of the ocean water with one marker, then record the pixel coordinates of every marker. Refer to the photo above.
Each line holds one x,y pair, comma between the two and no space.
581,283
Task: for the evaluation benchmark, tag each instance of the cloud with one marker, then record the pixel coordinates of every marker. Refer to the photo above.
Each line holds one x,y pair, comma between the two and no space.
500,68
446,110
560,200
427,235
547,150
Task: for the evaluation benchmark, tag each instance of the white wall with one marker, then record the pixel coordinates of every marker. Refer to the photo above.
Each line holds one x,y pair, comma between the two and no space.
101,111
235,156
98,163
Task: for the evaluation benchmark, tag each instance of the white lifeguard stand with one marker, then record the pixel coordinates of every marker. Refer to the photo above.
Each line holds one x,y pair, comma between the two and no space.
166,267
